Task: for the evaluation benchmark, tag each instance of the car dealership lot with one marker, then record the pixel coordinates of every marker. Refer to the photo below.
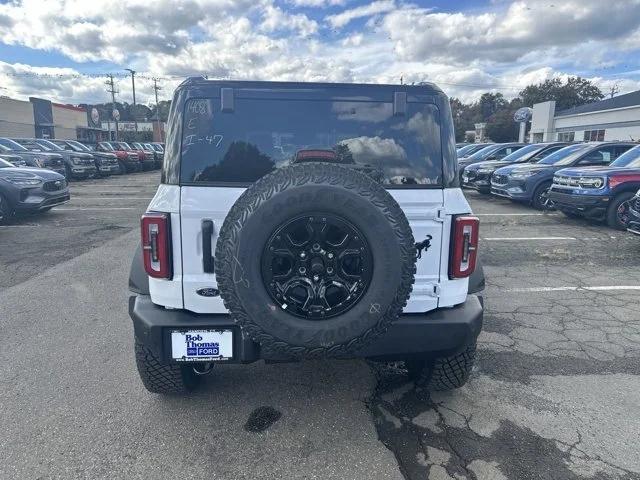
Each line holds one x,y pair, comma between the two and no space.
554,394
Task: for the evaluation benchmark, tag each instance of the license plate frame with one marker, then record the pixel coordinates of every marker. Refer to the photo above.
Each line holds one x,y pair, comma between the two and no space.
201,345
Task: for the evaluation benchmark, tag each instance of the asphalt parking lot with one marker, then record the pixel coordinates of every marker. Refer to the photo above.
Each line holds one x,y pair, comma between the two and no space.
554,395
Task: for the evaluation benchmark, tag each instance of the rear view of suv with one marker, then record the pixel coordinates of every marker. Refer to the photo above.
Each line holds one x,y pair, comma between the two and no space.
302,220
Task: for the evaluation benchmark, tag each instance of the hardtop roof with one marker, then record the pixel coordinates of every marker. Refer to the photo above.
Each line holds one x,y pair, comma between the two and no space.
374,90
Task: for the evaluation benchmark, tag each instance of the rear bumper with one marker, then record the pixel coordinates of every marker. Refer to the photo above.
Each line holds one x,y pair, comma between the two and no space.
439,332
588,205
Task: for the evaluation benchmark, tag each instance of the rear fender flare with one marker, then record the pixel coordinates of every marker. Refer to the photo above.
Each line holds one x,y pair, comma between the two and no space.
138,278
476,280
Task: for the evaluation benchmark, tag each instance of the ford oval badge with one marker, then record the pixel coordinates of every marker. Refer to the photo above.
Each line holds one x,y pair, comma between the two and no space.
208,292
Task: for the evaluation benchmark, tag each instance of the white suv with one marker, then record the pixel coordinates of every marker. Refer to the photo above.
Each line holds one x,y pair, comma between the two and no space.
300,220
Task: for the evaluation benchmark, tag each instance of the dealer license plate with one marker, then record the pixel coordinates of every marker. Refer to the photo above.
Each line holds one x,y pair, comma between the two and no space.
201,345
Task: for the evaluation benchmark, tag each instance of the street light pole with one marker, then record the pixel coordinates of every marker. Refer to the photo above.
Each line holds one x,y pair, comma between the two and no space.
133,86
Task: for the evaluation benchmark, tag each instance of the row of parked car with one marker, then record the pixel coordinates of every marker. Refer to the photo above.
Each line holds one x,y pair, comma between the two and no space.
34,172
76,160
594,180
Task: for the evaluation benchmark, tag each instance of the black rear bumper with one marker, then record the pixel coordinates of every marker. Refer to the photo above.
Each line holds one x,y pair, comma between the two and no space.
440,332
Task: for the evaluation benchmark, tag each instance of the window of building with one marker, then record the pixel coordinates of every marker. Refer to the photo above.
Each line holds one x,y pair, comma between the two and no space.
594,135
567,136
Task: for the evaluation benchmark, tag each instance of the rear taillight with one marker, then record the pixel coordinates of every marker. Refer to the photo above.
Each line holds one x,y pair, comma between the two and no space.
465,246
156,244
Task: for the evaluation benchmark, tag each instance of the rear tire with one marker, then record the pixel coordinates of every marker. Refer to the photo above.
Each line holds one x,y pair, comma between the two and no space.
6,211
164,378
614,219
122,169
442,373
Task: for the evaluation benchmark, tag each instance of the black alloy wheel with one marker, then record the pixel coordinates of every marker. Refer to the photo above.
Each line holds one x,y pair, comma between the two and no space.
541,199
317,266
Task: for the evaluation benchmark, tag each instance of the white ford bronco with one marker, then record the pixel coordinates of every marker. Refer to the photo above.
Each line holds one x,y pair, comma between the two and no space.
299,220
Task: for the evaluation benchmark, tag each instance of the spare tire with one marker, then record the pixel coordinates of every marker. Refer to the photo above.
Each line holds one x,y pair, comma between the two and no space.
315,259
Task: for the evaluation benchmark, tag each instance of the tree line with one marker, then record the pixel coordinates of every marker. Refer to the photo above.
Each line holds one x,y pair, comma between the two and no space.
497,112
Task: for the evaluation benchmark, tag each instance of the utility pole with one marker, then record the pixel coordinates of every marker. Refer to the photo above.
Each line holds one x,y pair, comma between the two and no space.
155,89
133,86
109,83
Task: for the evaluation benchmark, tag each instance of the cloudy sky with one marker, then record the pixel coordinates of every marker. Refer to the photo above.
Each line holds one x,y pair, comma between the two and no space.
59,49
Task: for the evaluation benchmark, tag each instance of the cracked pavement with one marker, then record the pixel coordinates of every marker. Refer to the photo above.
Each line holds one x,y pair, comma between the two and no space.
555,393
556,388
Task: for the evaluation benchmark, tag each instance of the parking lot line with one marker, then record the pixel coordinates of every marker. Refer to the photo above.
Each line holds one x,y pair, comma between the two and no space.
80,197
516,214
19,226
500,239
93,208
577,288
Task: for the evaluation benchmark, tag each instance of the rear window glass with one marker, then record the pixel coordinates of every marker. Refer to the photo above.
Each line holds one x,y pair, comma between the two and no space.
259,136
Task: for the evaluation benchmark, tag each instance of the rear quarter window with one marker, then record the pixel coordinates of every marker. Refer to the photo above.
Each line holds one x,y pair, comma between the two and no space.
260,135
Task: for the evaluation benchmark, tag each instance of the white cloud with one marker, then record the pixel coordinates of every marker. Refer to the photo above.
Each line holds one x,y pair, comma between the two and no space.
66,85
316,3
353,40
502,49
536,25
275,19
342,19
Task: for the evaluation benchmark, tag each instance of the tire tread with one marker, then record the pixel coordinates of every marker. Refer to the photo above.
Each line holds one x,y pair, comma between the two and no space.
297,175
447,373
163,378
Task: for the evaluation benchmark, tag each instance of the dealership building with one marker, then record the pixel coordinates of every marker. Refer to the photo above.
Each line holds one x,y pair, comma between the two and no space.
616,118
41,118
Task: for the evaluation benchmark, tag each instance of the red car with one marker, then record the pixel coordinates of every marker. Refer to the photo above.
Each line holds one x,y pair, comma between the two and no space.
146,158
128,159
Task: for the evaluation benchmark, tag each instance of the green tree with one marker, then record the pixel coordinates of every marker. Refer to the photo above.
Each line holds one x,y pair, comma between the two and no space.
489,104
574,92
462,118
500,126
163,108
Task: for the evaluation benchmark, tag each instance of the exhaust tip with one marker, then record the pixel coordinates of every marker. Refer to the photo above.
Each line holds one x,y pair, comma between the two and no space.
203,368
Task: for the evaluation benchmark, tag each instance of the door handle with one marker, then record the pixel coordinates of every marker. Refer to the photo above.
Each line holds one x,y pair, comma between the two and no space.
207,257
